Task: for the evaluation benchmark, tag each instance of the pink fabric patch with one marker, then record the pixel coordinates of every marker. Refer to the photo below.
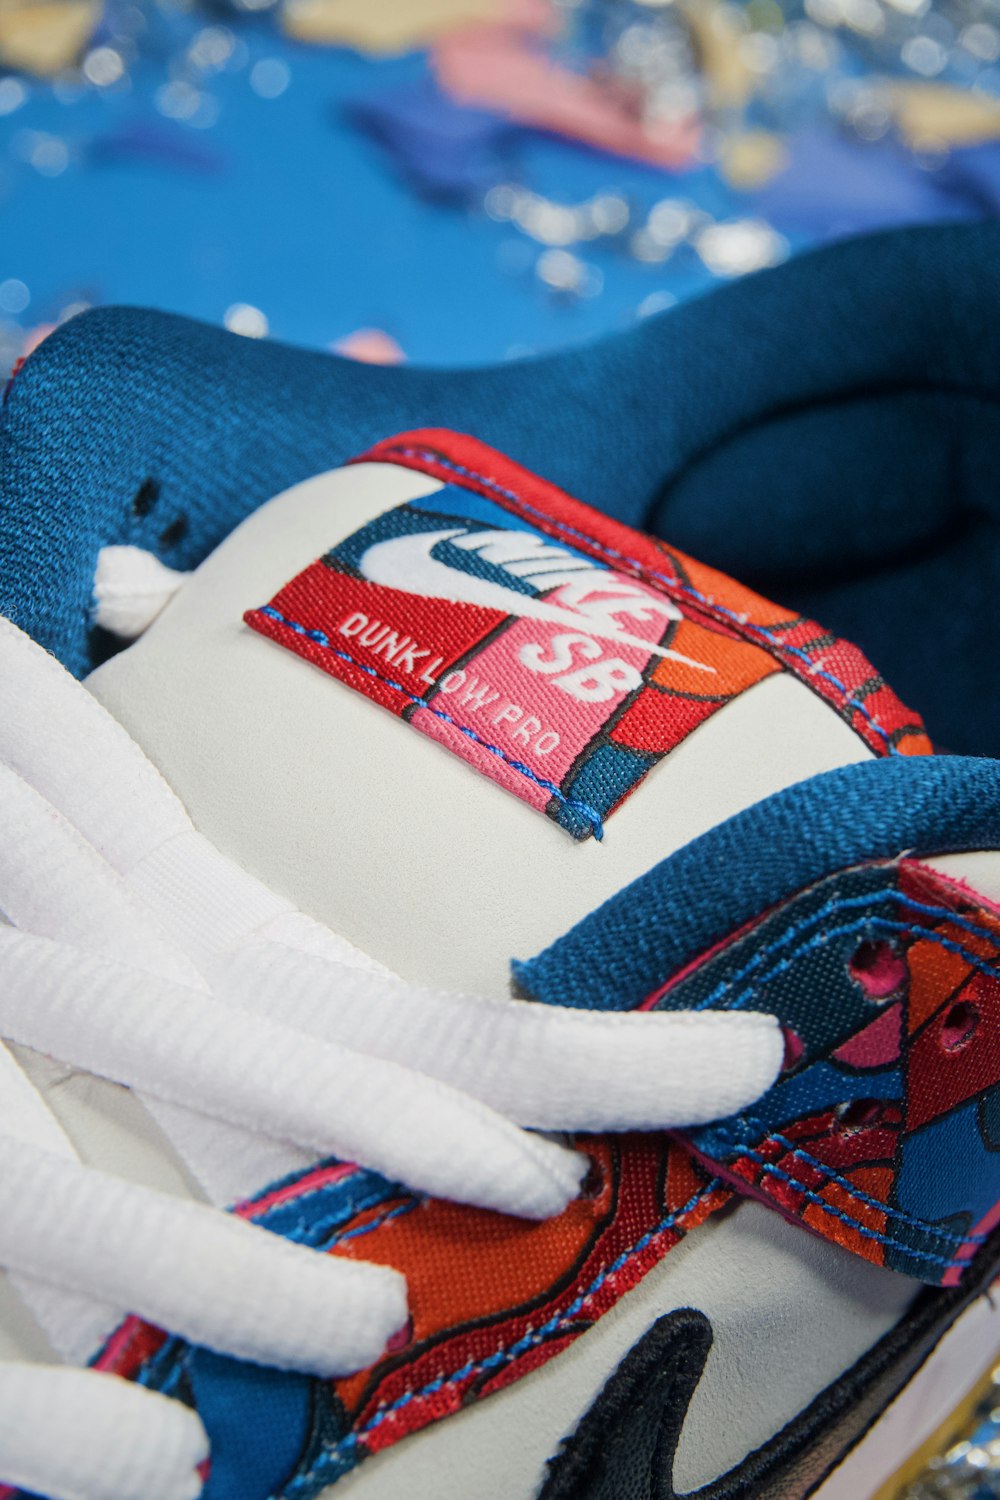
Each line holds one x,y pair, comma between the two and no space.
878,1044
518,707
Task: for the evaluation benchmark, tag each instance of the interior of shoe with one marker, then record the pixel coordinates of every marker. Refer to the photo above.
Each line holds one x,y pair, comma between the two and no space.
878,516
826,432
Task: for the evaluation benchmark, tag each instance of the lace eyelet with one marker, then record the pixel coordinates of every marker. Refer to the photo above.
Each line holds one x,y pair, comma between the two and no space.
145,497
175,532
959,1026
858,1114
593,1184
879,968
794,1048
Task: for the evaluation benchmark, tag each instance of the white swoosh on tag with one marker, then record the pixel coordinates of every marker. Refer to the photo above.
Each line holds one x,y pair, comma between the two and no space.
406,563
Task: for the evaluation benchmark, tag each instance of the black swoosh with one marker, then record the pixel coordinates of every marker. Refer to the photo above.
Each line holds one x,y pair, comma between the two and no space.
624,1446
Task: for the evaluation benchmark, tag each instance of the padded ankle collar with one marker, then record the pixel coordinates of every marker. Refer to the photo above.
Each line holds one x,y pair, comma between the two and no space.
826,432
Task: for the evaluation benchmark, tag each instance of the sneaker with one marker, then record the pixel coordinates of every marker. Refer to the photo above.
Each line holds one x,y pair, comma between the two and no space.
618,925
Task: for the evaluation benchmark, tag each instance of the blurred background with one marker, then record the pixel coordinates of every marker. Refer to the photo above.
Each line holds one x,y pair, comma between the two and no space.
468,181
464,181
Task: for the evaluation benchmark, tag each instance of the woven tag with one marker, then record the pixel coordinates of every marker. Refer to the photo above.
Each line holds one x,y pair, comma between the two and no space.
526,633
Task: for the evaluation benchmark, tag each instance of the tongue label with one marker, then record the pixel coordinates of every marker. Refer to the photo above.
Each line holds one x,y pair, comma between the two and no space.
526,645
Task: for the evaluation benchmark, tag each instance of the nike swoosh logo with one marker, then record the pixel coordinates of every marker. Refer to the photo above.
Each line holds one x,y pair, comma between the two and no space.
406,563
625,1444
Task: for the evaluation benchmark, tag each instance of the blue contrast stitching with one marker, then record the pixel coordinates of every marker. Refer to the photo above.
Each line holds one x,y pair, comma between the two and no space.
316,1233
376,1223
556,1323
501,1356
864,924
176,1374
320,639
838,903
844,1182
259,1212
838,1213
671,579
796,930
147,1371
975,929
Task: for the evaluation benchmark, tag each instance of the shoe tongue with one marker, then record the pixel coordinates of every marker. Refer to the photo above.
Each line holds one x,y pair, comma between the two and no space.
448,710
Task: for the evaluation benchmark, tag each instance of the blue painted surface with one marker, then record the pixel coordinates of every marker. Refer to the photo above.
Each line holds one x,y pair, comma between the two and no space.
309,205
285,204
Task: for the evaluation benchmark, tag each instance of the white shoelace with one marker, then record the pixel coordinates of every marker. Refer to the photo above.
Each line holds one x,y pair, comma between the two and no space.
259,1041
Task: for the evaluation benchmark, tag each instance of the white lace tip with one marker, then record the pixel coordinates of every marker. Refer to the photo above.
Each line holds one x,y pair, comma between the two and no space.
664,1070
69,1433
131,587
